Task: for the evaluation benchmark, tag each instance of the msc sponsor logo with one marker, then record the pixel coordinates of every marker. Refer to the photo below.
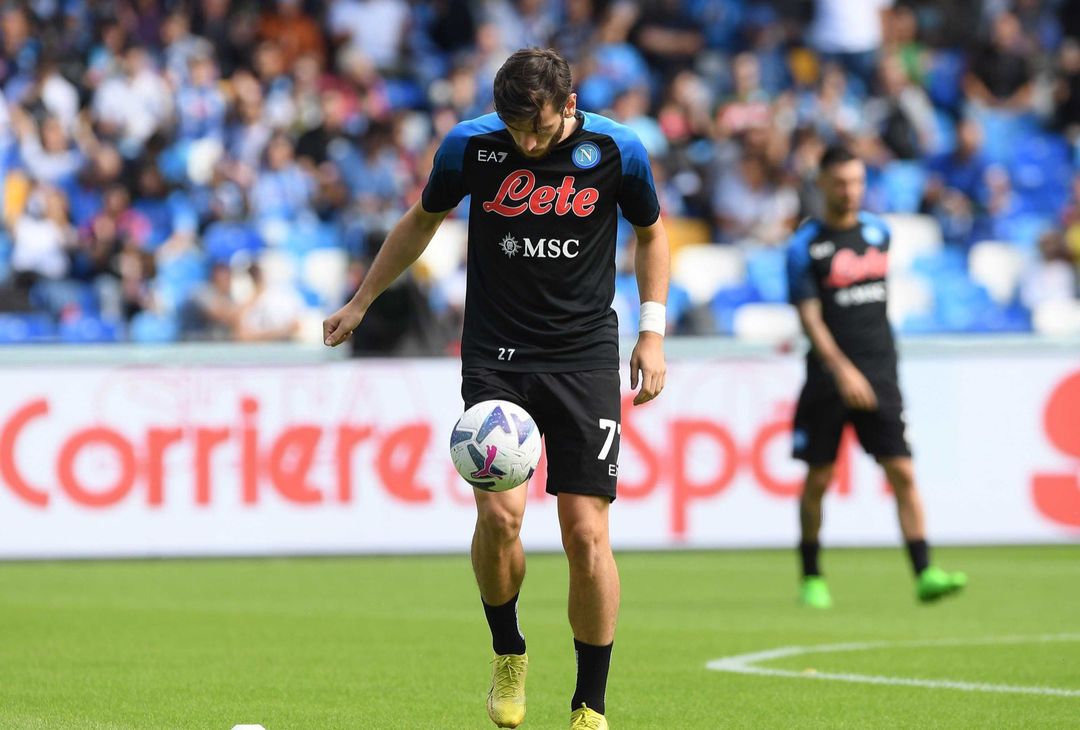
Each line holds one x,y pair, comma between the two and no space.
542,248
586,155
822,250
519,194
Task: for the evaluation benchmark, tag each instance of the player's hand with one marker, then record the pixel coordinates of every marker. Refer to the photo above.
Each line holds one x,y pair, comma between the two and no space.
855,389
340,325
648,361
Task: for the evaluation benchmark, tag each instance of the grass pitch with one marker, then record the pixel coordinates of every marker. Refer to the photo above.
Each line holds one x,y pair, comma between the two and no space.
401,643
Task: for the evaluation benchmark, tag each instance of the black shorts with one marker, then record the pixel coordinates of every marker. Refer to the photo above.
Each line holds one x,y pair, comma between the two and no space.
821,415
578,414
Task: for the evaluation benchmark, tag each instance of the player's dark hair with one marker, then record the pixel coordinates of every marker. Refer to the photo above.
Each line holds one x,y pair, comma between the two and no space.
836,154
529,80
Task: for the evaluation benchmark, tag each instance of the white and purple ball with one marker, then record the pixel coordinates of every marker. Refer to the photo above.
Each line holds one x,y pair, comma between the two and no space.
495,445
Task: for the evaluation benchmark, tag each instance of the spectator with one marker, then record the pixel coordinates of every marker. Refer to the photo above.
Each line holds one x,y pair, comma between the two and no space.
296,33
1067,90
751,204
200,105
902,116
43,237
574,36
1052,277
135,104
375,28
21,51
669,37
956,189
249,134
49,155
749,104
282,189
212,313
849,33
1000,74
272,314
631,108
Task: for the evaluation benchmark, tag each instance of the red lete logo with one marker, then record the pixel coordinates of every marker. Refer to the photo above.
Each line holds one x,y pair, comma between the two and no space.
519,193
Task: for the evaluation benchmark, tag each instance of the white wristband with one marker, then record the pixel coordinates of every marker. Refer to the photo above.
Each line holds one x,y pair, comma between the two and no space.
653,318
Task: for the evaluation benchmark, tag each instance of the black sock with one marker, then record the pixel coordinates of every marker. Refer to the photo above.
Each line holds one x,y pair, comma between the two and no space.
919,552
592,671
808,551
506,637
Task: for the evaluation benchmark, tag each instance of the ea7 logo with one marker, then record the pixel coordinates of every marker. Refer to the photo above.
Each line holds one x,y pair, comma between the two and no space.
490,156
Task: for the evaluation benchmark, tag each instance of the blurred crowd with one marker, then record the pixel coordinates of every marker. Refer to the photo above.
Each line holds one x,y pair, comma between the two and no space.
226,169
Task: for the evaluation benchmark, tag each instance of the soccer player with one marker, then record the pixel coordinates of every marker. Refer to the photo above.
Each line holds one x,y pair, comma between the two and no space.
546,181
836,278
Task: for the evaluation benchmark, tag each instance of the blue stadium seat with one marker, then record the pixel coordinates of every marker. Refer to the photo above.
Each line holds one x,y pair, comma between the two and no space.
727,301
178,277
1041,173
766,271
86,330
147,327
225,239
903,182
18,328
941,263
5,256
57,296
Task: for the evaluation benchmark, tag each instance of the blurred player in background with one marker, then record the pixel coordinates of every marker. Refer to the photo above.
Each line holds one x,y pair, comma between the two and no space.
836,277
547,182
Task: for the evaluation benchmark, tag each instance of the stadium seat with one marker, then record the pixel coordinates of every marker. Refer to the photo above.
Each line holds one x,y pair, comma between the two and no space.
685,231
278,267
960,304
86,330
1023,230
912,236
726,302
324,271
704,269
904,182
446,252
766,322
178,277
26,328
910,295
59,296
1057,318
766,270
148,327
997,266
225,239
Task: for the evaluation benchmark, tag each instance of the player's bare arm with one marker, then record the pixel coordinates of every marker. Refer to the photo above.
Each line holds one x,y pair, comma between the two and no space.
652,263
402,247
852,384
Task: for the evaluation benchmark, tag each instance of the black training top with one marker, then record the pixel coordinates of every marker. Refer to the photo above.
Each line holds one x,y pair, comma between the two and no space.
541,255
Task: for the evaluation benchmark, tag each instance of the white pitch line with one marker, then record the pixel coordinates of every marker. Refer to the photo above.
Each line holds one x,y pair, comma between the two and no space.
746,664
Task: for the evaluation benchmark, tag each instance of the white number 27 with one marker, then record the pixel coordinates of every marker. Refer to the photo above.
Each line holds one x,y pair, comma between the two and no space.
506,353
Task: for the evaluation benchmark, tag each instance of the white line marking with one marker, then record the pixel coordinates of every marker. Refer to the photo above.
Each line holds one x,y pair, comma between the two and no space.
746,664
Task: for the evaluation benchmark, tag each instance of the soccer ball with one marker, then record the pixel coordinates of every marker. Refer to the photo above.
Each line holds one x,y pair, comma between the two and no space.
495,445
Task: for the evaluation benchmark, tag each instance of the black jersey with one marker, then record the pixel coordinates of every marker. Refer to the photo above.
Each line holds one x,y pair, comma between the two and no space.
846,270
541,254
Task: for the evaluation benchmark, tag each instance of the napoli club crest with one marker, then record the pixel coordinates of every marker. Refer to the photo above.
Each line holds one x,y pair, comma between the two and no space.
585,155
